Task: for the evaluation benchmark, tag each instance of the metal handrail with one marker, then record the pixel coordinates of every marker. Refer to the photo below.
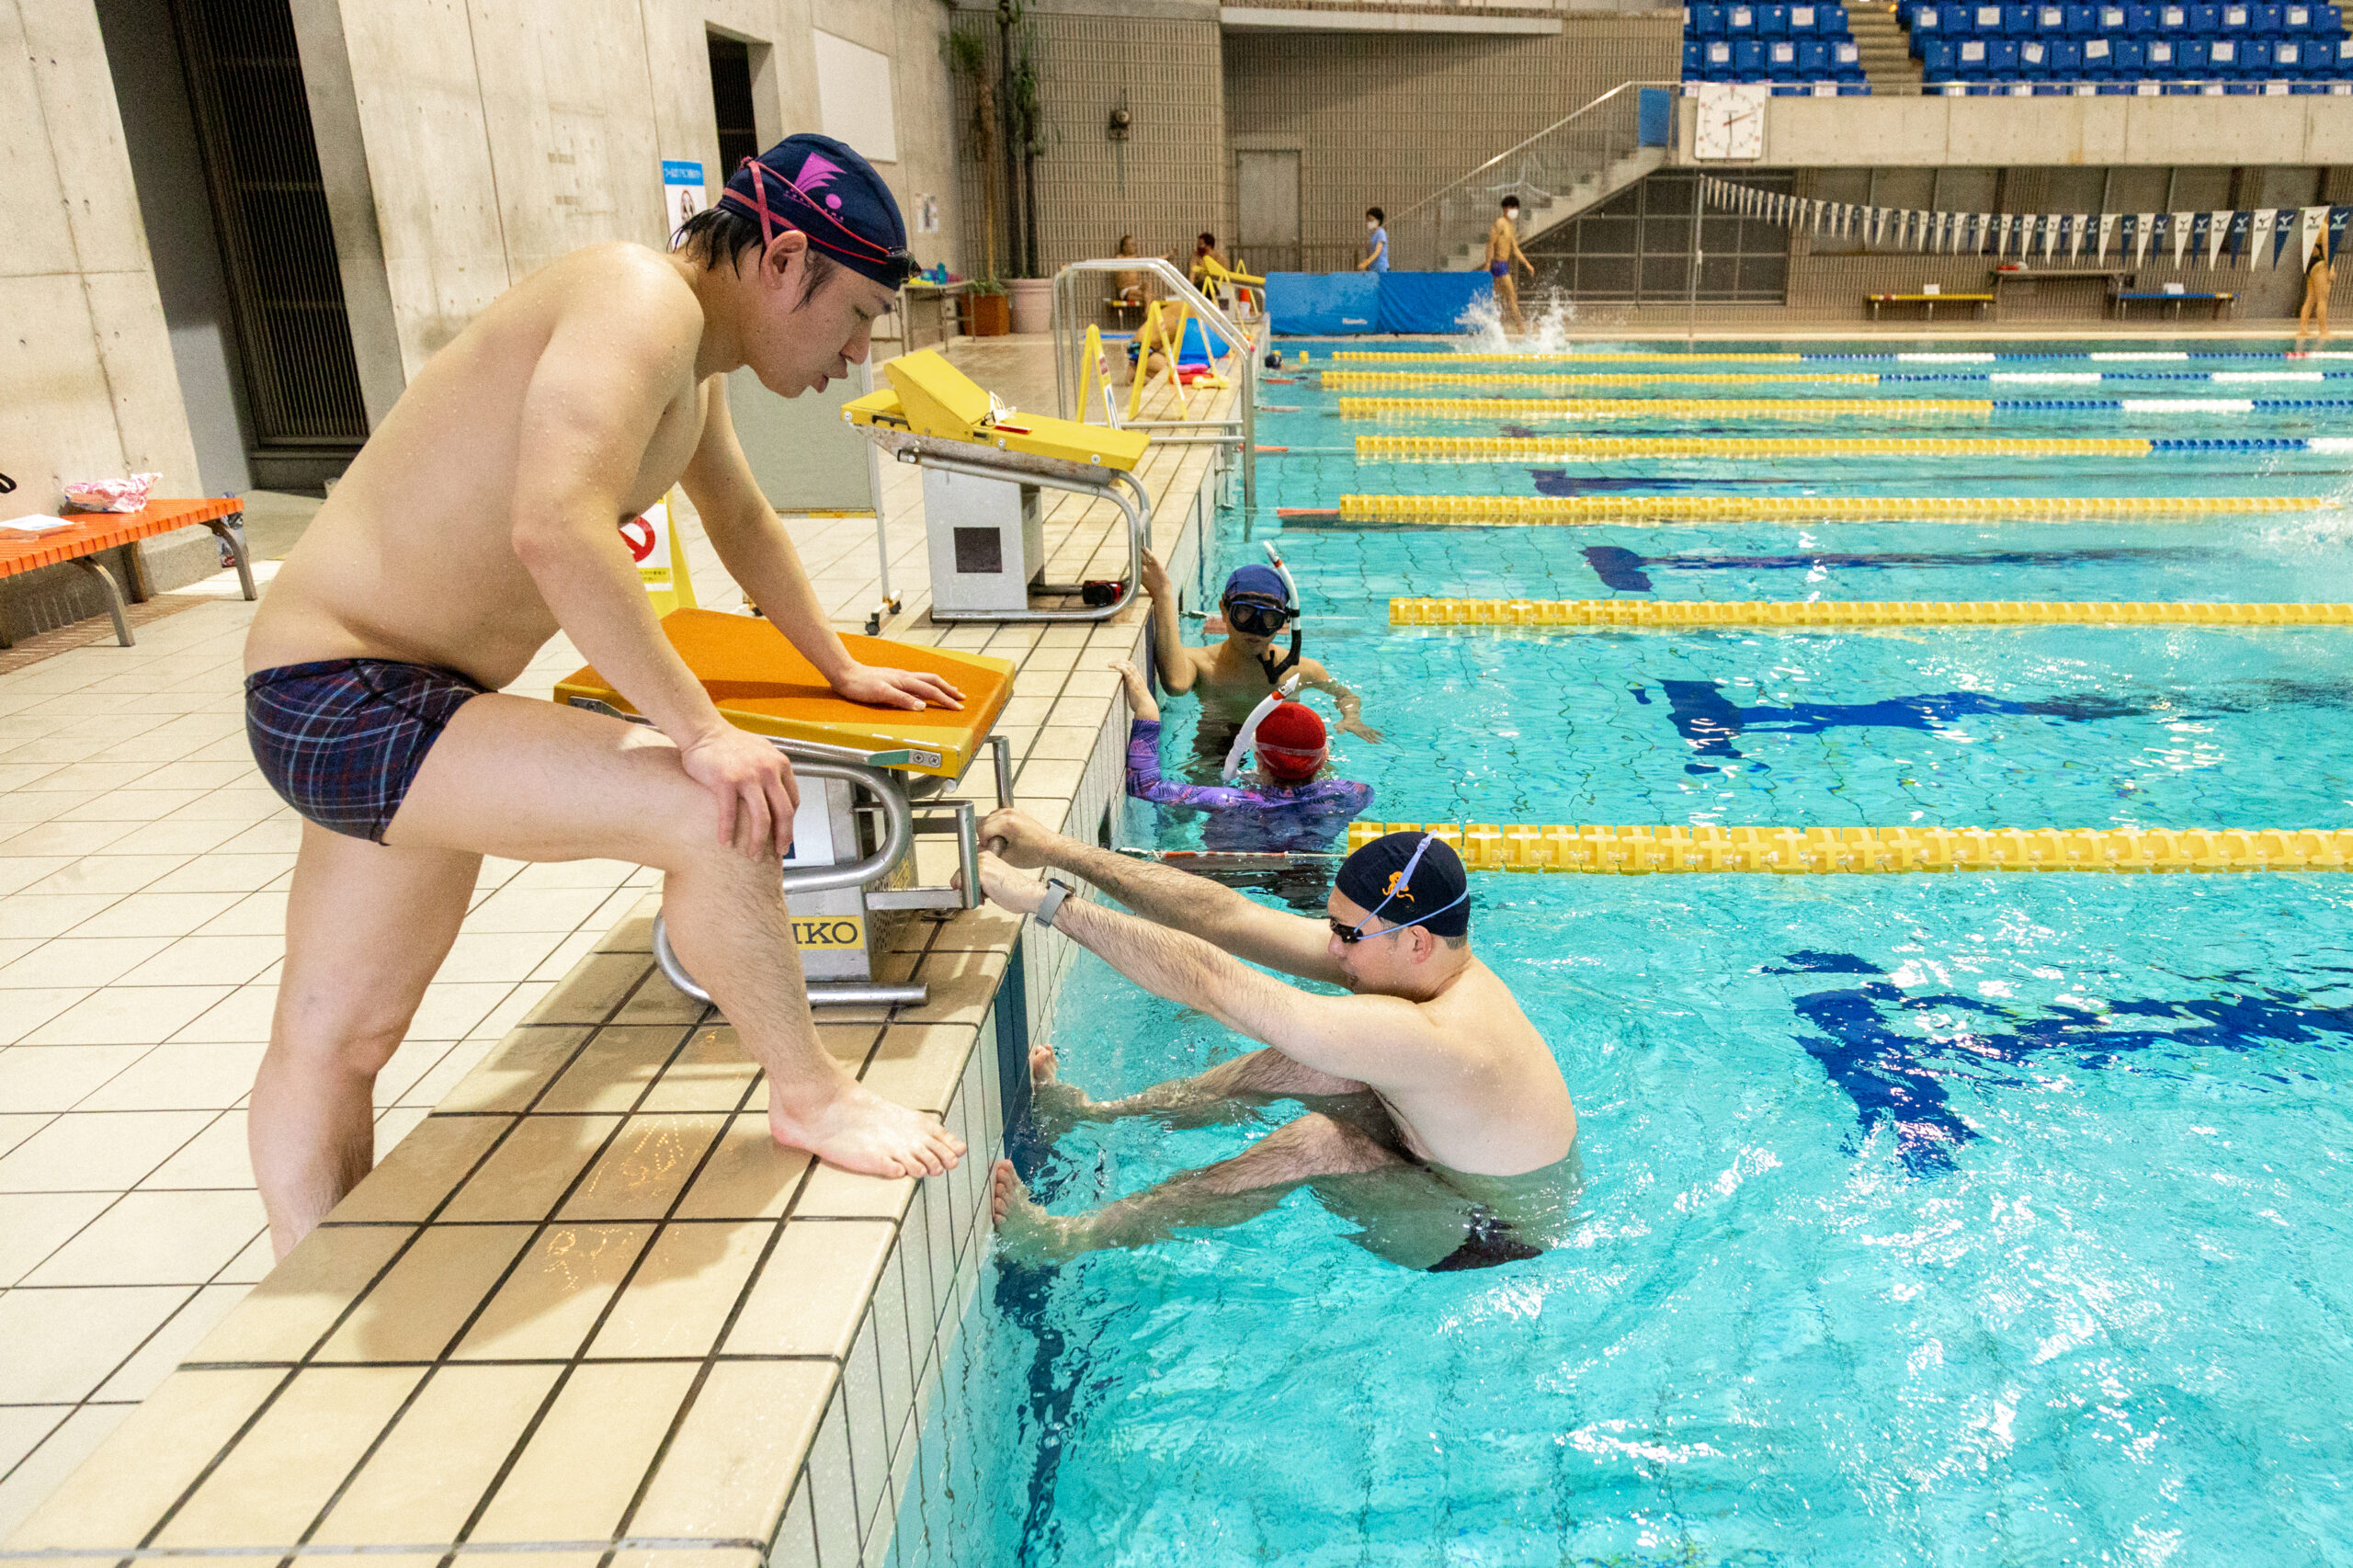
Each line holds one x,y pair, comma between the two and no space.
1446,191
1241,431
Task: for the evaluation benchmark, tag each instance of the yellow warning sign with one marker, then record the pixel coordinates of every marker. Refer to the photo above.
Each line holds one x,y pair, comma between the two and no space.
830,931
652,540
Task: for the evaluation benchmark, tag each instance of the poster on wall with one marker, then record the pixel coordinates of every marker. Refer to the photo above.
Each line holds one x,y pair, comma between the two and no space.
926,214
682,191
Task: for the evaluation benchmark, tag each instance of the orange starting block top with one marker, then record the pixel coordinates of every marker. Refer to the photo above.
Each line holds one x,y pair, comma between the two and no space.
763,685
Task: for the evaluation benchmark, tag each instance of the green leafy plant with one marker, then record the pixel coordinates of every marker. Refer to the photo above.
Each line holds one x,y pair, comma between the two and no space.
967,52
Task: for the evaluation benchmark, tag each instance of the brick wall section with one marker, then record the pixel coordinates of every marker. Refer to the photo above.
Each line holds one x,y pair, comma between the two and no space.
1163,184
1387,119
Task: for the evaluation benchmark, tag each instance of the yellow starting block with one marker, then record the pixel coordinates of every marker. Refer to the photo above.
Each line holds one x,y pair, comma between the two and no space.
938,418
872,780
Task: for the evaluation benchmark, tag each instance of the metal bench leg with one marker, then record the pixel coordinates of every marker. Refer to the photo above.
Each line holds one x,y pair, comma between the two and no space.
114,597
236,544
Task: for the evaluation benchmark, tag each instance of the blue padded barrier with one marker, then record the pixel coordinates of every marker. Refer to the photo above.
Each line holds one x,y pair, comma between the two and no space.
1429,302
1318,304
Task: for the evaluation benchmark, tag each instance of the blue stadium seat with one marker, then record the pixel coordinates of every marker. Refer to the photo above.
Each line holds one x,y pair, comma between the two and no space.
2205,21
2190,57
1711,21
1748,59
2344,55
2172,20
1813,60
1780,59
1715,59
2002,58
1772,21
2066,60
2239,20
1830,20
2099,57
2140,20
2050,21
2271,21
1937,60
2018,21
2153,55
1987,21
2034,57
2328,20
1803,22
1847,59
1927,21
2287,57
1690,59
1740,21
2222,57
2295,18
2083,20
1970,61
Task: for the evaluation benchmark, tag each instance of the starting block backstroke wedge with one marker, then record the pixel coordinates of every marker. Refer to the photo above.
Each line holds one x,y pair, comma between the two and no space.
873,779
938,418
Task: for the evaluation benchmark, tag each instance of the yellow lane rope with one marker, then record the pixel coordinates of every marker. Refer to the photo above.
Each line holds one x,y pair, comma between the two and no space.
1541,448
1369,380
1369,357
1490,509
1660,407
1851,613
1634,851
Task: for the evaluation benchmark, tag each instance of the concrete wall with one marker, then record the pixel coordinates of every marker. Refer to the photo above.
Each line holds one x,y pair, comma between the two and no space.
1166,182
1920,132
500,135
1387,118
89,388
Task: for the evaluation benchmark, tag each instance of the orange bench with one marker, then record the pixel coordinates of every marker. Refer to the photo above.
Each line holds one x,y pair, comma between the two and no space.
101,531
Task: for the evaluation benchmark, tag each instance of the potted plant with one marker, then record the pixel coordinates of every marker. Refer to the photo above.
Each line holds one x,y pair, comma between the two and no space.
984,311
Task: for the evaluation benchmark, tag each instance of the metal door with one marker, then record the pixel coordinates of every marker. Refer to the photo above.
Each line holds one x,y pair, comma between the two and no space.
1267,188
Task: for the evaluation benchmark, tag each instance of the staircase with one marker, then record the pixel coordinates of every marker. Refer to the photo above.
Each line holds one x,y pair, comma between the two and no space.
1885,47
1563,170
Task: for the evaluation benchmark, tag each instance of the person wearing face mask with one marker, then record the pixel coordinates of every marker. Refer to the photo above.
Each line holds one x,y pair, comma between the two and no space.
1376,241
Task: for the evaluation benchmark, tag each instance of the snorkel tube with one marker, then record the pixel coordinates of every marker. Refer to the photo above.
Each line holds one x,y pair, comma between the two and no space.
1276,672
1274,699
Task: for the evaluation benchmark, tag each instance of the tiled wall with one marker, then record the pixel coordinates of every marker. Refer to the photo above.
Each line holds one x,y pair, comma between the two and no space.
1387,119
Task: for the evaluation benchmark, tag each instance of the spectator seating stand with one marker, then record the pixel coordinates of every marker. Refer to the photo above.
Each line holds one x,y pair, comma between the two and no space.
1799,49
1968,46
99,533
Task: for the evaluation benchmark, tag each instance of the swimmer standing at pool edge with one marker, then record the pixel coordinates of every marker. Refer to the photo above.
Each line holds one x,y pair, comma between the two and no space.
1439,1121
1502,254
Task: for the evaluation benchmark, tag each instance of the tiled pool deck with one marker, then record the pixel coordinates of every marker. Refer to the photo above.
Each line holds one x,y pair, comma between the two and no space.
586,1308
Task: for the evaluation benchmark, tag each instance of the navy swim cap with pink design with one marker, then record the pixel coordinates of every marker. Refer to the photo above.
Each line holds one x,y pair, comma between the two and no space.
821,188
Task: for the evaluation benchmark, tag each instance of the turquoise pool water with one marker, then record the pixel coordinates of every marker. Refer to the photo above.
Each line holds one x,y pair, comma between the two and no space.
1954,1220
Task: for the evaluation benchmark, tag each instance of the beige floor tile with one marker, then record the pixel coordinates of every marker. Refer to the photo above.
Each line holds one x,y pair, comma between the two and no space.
222,873
283,1318
569,951
41,917
590,993
553,1298
71,839
250,1266
78,960
414,1176
84,1335
812,1290
169,1346
641,1172
515,908
682,1293
170,836
243,1016
615,1069
191,773
438,1461
151,1238
129,1015
515,1069
730,1467
216,1157
181,1076
920,1064
34,1224
230,804
116,874
24,1013
527,1176
90,777
208,961
255,914
497,955
435,1084
711,1073
43,1472
429,1294
19,871
453,1009
279,835
136,805
749,1176
97,1151
411,1061
17,1125
607,874
156,915
840,1193
23,1427
46,1079
588,1458
273,1483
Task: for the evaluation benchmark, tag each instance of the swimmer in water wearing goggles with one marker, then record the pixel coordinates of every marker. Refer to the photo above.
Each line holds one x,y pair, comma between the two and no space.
1232,676
1286,803
1437,1121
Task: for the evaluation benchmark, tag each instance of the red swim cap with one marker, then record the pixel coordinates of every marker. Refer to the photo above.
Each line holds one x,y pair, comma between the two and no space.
1291,743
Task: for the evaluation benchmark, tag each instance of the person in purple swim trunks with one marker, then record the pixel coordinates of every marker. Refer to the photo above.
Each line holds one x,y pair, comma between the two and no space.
1287,807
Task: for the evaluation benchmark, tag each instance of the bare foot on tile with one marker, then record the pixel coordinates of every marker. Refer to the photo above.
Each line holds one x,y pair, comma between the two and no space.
852,1127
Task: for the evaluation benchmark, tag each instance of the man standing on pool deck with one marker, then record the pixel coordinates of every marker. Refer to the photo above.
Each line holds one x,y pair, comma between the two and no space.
1503,253
479,520
1376,241
1440,1120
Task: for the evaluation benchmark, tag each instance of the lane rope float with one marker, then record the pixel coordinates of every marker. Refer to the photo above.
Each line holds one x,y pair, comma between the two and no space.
1489,510
1365,381
1846,614
1639,851
1815,407
1541,448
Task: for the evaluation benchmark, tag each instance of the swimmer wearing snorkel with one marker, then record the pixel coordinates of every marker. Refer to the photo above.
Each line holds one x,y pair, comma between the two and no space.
1287,806
1232,676
1438,1119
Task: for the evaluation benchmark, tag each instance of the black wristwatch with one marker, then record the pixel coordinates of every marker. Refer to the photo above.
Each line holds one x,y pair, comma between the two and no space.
1057,889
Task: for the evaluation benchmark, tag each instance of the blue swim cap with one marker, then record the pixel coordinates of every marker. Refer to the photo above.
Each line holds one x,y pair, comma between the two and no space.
1262,580
821,188
1409,878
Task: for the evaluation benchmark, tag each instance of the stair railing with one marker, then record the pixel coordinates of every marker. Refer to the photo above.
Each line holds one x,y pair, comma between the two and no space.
1578,148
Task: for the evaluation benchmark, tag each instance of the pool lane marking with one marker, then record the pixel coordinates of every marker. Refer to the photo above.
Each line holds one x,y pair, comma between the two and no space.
1795,407
1637,851
1374,380
1923,356
1487,510
1552,449
1845,614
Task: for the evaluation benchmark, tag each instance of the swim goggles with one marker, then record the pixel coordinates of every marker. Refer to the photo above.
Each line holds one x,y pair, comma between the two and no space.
1255,615
1351,935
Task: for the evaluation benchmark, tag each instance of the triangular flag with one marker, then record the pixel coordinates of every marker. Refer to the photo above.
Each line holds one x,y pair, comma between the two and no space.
2236,245
2259,238
2283,229
2075,235
2338,219
2181,222
2218,233
2107,228
2141,230
2050,235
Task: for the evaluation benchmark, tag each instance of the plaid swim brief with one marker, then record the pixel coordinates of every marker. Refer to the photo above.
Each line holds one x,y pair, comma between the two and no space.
341,739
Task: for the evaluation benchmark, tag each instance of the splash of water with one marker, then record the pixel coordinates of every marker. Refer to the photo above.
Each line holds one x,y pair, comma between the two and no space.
1547,331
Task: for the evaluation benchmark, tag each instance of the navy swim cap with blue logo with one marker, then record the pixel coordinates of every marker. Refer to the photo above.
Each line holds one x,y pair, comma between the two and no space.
823,189
1409,878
